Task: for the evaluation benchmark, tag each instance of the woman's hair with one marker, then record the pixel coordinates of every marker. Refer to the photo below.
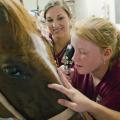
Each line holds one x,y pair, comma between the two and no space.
53,3
101,32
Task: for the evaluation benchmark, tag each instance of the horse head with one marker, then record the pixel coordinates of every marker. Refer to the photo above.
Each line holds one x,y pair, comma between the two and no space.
26,68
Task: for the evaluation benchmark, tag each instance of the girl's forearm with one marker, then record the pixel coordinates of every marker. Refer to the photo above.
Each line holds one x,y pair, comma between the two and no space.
103,113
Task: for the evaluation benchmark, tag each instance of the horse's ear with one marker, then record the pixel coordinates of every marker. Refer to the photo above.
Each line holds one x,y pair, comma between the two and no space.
3,15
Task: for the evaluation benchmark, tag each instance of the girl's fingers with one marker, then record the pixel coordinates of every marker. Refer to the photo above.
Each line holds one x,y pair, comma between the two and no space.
59,88
64,80
67,104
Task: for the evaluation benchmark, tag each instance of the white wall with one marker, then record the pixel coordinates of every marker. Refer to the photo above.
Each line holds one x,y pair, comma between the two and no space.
29,4
93,7
100,8
32,4
117,11
111,7
82,8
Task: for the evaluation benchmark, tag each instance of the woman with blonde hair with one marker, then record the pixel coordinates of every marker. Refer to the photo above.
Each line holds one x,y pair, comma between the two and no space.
58,20
96,76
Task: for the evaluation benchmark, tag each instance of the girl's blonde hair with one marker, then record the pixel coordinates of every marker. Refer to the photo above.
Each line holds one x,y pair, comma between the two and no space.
99,31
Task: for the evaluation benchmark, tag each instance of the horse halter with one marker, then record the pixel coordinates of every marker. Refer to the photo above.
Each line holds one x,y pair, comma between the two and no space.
10,108
65,115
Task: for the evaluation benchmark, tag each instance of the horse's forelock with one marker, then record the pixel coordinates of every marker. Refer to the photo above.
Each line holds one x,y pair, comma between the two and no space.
20,21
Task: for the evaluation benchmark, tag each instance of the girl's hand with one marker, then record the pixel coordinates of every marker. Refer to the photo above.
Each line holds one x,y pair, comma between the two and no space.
61,70
78,103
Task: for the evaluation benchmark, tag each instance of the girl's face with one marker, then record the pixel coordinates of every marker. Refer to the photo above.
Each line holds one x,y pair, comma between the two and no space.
58,22
87,57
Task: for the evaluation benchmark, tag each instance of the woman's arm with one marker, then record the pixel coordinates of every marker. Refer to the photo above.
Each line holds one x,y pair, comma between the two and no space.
103,113
80,103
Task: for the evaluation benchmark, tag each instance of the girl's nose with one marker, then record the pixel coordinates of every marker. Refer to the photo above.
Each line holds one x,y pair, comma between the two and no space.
77,57
74,56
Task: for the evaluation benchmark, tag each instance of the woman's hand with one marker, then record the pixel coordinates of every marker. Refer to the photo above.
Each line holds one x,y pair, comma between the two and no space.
78,103
62,71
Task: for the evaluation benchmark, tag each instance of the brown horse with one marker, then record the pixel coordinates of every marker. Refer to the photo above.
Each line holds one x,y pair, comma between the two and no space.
26,69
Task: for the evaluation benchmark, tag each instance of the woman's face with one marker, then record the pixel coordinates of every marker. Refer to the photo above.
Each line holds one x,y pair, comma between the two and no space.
87,57
58,22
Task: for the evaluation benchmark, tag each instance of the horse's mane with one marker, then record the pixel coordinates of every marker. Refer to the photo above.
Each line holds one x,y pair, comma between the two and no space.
19,20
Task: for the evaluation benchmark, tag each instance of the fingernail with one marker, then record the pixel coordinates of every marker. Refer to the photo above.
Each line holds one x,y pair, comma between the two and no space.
49,85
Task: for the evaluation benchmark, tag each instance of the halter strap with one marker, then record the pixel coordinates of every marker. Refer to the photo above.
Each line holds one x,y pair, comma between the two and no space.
65,115
10,108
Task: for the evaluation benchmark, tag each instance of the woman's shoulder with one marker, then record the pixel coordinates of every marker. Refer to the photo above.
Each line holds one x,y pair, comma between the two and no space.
116,67
113,75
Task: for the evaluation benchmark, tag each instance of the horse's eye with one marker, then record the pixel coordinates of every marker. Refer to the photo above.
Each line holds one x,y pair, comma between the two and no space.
13,71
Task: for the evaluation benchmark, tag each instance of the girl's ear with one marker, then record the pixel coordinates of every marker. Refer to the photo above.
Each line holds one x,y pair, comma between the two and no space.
108,53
